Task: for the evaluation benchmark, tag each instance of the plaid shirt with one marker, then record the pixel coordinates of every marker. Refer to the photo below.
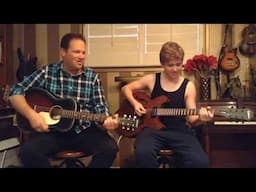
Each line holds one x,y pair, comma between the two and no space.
85,88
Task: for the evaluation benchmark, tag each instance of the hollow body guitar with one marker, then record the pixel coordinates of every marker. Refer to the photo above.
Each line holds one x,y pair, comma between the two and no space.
154,110
248,44
61,113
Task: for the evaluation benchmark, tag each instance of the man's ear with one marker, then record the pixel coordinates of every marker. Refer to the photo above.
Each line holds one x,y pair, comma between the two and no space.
62,52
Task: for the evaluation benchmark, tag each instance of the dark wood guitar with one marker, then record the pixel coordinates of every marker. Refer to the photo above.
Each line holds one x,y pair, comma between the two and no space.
154,110
26,65
248,44
61,113
230,61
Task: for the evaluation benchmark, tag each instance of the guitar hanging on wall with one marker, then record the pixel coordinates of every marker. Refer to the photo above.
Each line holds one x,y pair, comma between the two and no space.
230,61
248,44
26,65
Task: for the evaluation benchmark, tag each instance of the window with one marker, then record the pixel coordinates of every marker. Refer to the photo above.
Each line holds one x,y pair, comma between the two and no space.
111,45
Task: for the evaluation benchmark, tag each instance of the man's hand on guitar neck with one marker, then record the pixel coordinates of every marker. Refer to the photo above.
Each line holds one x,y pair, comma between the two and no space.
111,122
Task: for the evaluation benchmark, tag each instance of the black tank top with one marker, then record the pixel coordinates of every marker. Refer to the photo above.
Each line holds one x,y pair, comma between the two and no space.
176,101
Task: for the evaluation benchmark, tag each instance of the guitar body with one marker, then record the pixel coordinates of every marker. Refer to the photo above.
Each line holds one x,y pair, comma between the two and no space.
39,97
248,44
147,120
229,61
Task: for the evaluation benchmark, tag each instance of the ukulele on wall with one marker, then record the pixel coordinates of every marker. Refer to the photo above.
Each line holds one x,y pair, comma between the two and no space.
248,44
229,62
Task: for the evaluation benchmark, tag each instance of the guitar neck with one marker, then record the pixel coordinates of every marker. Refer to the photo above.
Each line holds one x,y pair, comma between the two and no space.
174,112
185,112
58,112
83,115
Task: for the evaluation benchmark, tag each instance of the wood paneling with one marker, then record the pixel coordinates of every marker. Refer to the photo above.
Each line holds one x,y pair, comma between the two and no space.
29,39
53,42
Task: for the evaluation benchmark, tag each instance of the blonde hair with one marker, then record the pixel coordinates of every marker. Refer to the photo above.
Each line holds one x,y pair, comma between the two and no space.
171,50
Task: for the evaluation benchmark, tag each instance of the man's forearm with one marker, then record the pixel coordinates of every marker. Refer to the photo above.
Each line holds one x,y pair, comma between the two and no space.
20,105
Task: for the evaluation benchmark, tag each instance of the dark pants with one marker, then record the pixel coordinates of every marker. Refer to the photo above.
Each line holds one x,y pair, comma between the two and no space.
186,145
36,150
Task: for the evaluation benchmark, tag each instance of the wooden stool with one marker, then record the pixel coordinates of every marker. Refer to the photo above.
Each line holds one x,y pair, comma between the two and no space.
165,158
71,159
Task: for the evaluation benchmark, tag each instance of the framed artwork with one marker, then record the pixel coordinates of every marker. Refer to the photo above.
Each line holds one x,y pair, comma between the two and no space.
1,51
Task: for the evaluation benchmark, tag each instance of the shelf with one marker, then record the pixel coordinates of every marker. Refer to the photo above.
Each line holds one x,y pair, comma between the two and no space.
127,79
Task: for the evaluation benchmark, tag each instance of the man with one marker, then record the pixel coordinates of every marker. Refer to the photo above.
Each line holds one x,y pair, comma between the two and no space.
68,78
182,94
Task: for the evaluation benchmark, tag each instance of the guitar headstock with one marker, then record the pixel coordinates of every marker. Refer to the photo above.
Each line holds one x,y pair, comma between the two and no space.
129,122
236,114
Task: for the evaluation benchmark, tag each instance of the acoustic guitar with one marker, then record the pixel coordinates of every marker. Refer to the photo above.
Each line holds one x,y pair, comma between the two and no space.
61,113
154,111
248,44
230,61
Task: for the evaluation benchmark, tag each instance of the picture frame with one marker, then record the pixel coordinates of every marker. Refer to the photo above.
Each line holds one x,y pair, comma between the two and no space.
2,50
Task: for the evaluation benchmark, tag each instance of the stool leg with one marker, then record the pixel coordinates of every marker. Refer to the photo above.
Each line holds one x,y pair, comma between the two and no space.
61,164
74,163
165,162
80,163
3,159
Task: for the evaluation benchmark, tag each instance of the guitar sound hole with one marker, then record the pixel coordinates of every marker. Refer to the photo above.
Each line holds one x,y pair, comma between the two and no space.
55,112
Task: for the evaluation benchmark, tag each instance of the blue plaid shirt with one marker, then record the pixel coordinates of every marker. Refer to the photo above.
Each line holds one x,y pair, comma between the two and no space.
85,88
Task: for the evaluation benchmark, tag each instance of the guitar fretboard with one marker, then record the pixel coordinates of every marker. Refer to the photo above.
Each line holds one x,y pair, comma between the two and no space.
72,114
232,113
83,115
174,112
